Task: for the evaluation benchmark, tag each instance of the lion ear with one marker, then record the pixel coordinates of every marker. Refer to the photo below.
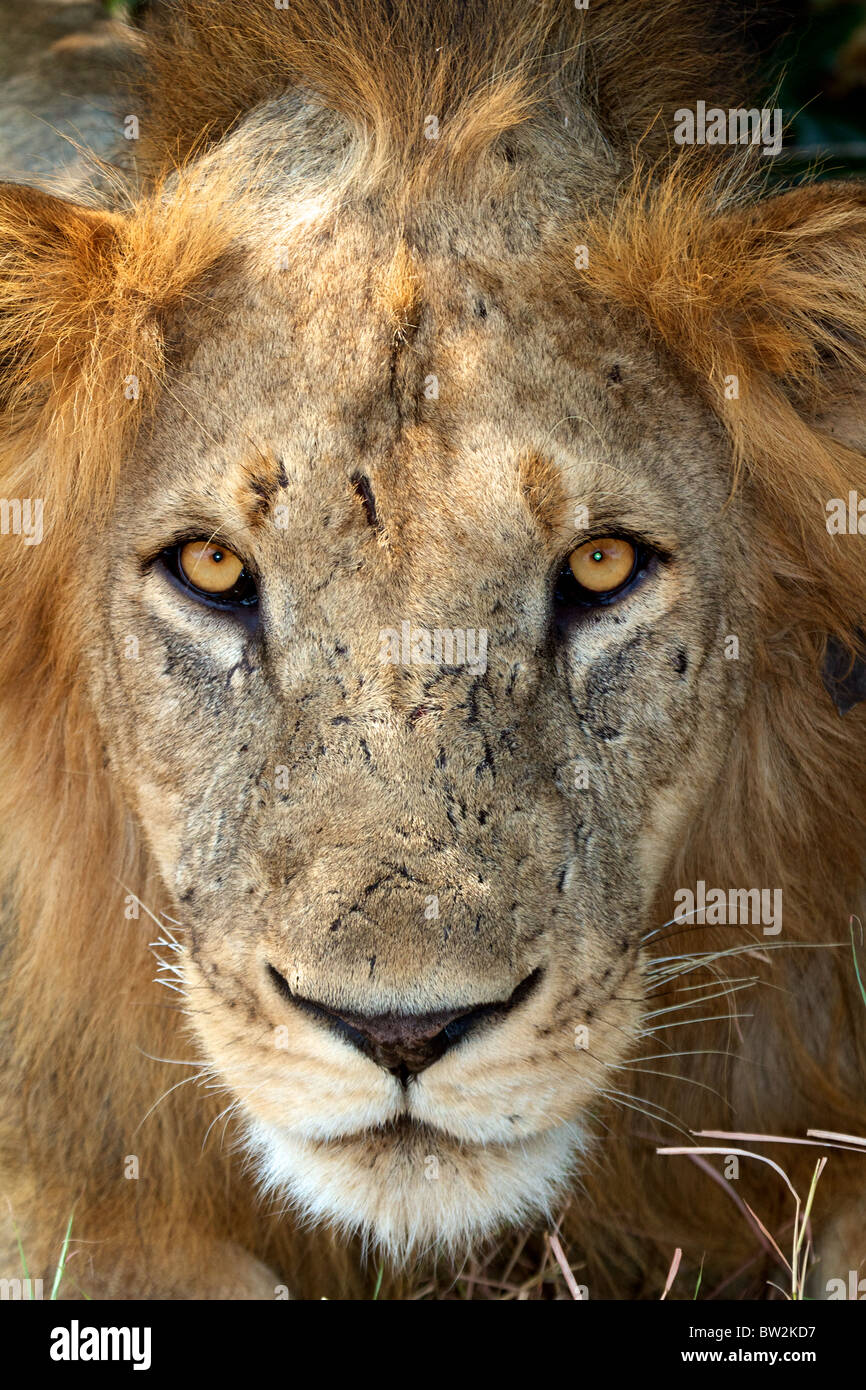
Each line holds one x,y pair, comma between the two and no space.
820,310
801,257
844,667
845,674
57,265
784,284
810,335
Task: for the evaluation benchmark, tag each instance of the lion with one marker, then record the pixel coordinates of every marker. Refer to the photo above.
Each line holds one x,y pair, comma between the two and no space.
425,792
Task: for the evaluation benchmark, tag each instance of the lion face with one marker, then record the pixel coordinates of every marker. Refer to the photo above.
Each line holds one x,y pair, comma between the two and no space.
413,872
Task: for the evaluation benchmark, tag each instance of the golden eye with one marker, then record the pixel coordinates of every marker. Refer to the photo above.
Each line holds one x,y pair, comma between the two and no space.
209,566
603,565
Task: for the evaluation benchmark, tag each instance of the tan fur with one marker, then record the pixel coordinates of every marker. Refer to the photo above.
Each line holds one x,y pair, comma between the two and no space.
284,288
399,292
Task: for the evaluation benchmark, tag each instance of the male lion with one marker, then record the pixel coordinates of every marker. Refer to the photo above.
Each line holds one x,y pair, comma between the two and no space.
419,610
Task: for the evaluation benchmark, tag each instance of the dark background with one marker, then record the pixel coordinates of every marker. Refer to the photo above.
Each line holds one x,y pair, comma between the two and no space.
817,50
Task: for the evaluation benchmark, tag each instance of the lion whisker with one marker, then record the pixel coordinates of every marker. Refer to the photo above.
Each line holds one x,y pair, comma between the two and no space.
152,915
232,1105
168,985
183,1082
705,999
634,1062
632,1103
704,957
675,1076
687,1022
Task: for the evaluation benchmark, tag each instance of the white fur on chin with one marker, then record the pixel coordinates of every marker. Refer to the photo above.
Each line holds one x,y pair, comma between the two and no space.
415,1190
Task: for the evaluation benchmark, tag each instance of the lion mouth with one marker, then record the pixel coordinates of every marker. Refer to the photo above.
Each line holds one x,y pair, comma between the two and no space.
401,1131
408,1186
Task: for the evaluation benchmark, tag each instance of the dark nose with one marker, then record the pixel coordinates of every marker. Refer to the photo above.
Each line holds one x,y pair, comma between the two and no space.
406,1044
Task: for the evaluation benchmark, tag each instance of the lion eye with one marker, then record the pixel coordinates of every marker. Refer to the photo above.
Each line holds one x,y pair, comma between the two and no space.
603,566
211,572
209,566
598,573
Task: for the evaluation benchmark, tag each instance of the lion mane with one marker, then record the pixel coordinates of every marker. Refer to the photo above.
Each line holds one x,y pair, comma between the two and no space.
730,281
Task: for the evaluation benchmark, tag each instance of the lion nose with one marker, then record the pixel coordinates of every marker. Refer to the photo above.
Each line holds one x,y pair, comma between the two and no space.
406,1044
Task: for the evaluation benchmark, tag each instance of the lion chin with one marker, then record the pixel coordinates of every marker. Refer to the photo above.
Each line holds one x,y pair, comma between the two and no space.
408,1188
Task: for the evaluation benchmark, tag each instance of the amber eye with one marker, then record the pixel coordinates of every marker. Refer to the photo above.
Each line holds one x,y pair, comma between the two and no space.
209,571
603,566
209,566
598,574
